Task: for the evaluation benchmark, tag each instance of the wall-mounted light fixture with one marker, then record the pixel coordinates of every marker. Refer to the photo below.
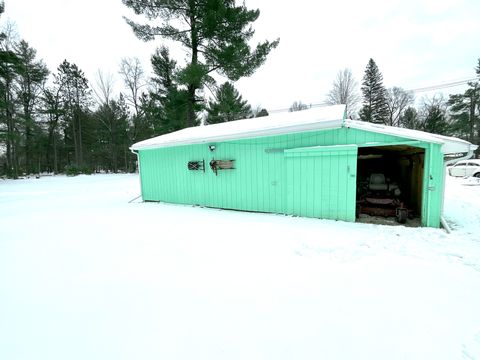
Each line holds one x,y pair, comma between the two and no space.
211,147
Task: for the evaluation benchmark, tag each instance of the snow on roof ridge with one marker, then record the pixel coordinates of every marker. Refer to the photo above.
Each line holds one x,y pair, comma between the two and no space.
275,124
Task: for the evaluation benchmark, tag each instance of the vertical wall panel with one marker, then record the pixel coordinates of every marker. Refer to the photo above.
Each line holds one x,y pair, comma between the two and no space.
324,172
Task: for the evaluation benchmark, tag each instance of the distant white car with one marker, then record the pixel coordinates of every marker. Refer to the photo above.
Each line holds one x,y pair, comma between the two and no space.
465,168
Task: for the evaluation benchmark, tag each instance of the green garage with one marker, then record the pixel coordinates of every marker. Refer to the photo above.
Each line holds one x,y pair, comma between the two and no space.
312,163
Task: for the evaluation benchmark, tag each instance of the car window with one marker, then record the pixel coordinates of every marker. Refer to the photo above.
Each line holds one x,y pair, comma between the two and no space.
473,164
460,164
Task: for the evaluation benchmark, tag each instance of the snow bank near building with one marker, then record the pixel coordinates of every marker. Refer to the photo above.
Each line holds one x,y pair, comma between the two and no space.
86,275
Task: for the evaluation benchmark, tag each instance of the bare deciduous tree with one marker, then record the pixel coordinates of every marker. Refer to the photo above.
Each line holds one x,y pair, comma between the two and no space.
398,100
103,88
345,91
133,78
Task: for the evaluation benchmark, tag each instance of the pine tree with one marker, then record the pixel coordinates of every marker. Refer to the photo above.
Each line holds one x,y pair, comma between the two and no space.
433,116
111,134
260,112
409,119
465,111
53,110
297,106
75,99
375,107
227,106
9,134
32,75
214,32
168,102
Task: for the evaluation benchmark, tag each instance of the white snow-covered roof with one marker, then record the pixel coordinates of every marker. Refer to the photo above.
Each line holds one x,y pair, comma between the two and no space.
275,124
327,117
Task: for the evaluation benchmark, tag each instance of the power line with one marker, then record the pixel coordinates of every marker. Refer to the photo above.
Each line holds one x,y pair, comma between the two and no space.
416,90
443,86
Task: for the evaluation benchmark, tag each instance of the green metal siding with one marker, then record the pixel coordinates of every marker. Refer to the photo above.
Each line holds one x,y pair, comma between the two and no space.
433,180
266,179
321,182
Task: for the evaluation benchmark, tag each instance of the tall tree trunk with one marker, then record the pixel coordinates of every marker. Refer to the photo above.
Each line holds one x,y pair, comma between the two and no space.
28,126
55,156
472,117
191,106
12,160
127,168
9,135
75,139
192,87
113,147
28,145
80,147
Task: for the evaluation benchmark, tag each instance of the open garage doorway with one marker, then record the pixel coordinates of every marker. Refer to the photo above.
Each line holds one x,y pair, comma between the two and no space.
390,184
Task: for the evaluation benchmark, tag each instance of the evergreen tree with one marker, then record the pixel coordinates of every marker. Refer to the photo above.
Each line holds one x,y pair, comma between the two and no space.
260,113
75,98
464,114
53,111
151,120
465,111
409,119
111,147
169,102
375,107
433,116
227,106
214,32
297,106
32,74
9,132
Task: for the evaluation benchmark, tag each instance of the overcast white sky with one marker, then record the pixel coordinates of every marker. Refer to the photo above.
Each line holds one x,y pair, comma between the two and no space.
415,43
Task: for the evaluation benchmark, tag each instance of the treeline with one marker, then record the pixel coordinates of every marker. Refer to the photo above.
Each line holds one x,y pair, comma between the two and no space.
57,121
458,115
53,122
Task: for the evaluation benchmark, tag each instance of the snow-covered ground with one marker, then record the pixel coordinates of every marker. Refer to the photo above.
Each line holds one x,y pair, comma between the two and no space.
84,274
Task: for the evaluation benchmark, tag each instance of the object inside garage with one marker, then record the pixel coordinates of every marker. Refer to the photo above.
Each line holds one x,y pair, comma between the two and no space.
390,184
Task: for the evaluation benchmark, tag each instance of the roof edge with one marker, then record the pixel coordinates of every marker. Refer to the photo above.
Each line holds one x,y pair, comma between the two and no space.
449,145
324,125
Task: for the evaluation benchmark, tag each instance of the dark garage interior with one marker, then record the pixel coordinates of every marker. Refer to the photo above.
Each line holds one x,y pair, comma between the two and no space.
389,184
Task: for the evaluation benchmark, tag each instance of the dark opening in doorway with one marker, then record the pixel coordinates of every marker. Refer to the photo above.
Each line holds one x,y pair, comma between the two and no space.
390,184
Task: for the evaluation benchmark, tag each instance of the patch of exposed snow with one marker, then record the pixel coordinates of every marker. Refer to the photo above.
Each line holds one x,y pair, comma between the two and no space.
84,274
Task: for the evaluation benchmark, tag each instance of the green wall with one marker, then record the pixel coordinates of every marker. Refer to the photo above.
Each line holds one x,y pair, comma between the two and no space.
271,177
